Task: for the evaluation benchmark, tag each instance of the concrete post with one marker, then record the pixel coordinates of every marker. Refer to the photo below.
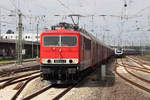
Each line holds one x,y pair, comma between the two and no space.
103,72
37,40
20,39
0,24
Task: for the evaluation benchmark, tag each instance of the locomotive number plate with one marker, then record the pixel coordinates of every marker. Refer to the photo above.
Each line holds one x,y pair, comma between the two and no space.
59,61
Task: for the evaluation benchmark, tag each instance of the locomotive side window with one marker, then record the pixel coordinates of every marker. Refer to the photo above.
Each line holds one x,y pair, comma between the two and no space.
68,41
87,44
81,41
51,41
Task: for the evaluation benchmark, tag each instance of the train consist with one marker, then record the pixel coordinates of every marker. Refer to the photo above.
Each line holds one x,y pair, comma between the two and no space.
67,52
132,52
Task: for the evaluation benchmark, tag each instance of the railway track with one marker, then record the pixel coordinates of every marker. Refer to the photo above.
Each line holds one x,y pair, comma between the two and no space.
138,61
22,81
37,92
144,59
58,96
64,92
2,64
135,67
143,79
18,70
17,79
132,74
142,69
23,86
145,62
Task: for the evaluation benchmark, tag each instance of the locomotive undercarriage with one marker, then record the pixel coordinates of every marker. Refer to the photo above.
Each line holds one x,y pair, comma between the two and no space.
60,74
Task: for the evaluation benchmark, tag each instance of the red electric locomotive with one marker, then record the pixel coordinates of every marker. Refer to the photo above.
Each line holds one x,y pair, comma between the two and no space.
67,51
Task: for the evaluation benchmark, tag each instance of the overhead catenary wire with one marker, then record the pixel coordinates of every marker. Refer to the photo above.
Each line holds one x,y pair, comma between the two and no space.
25,15
7,9
13,4
140,11
123,18
65,6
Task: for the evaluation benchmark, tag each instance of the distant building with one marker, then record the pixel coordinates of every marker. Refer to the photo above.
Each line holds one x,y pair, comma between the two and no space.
26,37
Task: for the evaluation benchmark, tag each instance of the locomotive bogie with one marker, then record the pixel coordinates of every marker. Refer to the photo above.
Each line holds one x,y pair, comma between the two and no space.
61,74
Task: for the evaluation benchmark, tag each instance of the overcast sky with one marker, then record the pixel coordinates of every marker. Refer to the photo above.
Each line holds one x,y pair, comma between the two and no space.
111,29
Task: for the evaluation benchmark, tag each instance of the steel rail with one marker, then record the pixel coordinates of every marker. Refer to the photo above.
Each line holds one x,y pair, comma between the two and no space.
138,77
23,86
133,66
72,86
145,70
144,60
64,92
10,82
138,62
1,64
8,72
59,95
12,78
131,82
139,69
37,92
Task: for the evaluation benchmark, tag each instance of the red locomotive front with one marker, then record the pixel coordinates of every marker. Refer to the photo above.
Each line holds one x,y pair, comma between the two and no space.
67,54
59,55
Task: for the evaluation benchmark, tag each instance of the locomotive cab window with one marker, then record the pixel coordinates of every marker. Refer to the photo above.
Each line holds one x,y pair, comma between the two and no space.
51,41
60,41
68,40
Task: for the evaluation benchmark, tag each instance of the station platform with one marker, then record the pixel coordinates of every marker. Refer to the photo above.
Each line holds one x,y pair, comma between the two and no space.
8,48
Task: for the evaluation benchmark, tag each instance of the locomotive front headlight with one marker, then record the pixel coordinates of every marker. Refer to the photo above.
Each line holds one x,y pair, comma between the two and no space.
44,61
75,61
48,61
70,61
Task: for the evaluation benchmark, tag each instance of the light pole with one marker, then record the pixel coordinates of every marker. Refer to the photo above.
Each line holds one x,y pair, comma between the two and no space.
32,47
0,24
37,39
39,18
20,39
